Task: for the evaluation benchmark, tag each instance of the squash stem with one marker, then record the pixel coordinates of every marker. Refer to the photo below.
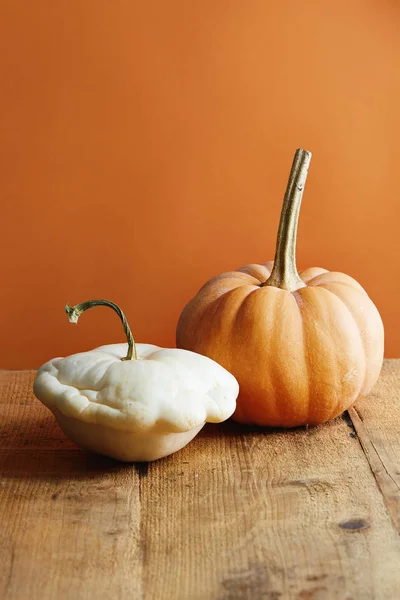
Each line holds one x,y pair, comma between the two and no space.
284,274
74,312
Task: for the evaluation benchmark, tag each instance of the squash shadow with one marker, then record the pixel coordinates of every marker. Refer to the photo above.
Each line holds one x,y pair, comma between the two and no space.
34,447
38,449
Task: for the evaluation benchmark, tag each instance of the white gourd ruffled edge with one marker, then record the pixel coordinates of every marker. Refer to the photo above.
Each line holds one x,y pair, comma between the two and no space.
168,390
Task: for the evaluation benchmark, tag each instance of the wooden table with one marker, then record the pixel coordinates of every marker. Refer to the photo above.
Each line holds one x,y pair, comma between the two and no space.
239,513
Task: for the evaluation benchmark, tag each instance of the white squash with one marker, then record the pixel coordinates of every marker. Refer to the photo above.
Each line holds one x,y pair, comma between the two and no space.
134,402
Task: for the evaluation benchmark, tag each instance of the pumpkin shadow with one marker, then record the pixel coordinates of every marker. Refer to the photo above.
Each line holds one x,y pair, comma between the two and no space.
231,428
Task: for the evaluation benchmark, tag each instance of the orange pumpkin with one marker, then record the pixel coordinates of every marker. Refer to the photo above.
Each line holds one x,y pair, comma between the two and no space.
303,346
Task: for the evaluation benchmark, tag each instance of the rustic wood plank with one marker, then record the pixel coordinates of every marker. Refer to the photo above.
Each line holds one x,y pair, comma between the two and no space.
245,513
70,521
240,513
377,423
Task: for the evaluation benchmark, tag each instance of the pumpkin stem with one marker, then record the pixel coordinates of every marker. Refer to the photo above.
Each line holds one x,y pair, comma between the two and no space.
284,274
74,312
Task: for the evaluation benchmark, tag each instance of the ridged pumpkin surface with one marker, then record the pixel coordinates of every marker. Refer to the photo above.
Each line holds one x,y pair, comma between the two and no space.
300,357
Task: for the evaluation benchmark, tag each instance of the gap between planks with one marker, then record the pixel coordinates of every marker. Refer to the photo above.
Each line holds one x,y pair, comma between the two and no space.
377,424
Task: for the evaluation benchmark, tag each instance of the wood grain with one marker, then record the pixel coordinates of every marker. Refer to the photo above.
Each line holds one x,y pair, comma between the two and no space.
70,520
377,423
239,513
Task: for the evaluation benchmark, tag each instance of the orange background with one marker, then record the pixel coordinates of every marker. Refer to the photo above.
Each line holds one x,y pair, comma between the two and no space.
145,147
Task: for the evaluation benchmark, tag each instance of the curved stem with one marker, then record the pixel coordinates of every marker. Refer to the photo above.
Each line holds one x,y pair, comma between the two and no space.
74,312
284,274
